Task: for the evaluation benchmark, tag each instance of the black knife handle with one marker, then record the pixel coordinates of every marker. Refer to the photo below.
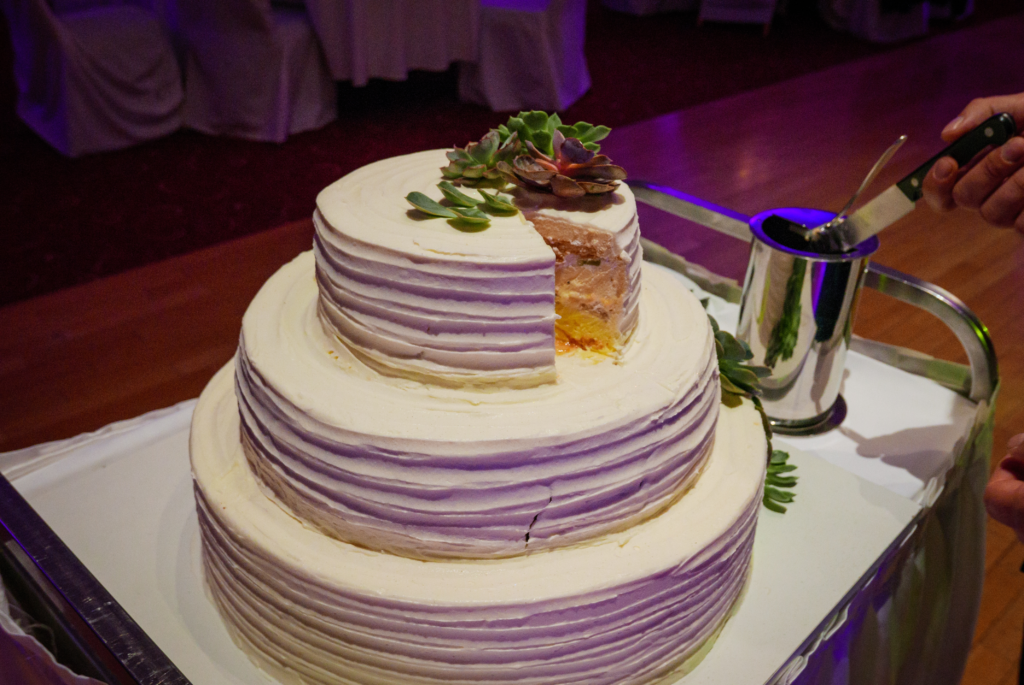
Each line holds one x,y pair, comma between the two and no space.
993,131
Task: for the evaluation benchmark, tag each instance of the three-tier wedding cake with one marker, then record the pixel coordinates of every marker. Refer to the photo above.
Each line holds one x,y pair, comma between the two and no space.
452,455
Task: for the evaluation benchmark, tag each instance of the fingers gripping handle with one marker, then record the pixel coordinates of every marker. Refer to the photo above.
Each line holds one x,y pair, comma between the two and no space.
995,130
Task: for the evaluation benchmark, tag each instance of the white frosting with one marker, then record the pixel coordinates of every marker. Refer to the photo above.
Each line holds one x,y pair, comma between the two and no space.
427,471
417,298
623,608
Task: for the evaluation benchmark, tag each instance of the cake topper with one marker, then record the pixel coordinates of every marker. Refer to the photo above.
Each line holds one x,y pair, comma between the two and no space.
533,150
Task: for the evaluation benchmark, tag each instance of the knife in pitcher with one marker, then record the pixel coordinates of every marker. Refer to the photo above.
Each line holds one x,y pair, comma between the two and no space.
900,199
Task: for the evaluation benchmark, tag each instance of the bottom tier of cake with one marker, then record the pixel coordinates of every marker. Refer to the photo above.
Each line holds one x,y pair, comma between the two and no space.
629,607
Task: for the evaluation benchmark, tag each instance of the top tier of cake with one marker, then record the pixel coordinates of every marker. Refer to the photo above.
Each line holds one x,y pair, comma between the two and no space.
413,298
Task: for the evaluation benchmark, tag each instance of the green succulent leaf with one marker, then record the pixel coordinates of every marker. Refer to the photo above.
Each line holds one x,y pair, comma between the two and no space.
741,380
779,495
535,127
732,348
497,204
588,134
477,162
775,498
471,214
469,220
739,376
428,206
452,171
455,196
542,141
485,149
731,399
781,481
729,386
468,226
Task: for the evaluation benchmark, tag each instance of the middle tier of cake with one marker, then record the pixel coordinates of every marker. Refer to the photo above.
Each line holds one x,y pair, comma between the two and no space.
428,472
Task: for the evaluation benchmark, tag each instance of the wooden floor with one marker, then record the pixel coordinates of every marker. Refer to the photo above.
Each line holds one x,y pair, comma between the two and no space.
113,349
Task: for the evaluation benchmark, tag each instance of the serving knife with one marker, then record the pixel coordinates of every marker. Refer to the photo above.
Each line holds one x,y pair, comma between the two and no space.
900,199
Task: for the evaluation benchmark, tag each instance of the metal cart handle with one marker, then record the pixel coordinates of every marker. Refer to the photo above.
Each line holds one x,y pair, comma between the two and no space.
979,383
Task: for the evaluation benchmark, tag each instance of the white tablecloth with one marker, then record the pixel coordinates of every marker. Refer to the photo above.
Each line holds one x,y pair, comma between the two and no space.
364,39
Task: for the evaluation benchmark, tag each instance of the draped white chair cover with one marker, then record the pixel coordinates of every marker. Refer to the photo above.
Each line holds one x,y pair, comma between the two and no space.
530,57
364,39
252,71
101,77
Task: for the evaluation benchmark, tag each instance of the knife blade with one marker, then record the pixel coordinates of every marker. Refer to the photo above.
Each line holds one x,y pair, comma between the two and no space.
900,199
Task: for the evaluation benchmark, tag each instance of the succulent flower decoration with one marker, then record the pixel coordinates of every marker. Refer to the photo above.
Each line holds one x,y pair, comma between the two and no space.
539,128
570,171
478,161
534,150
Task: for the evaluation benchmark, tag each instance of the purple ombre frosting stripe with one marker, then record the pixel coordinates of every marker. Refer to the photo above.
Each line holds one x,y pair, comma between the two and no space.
626,608
611,455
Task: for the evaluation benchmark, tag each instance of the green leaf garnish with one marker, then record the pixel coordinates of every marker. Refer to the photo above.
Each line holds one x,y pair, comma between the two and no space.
455,196
778,495
470,222
428,206
471,214
497,204
590,262
774,498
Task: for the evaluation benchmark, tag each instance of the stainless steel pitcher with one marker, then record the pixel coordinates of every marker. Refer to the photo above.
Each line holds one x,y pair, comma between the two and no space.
796,313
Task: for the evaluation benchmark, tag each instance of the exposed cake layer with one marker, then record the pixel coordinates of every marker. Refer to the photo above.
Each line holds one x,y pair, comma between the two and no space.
625,608
433,472
597,272
414,297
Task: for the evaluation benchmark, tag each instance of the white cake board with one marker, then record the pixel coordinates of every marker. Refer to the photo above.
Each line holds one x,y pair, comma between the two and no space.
122,501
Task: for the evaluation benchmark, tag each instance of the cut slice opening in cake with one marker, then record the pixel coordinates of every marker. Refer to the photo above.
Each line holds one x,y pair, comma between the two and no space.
591,284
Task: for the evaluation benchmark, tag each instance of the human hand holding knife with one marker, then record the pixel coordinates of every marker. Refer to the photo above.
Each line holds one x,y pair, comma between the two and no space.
995,185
